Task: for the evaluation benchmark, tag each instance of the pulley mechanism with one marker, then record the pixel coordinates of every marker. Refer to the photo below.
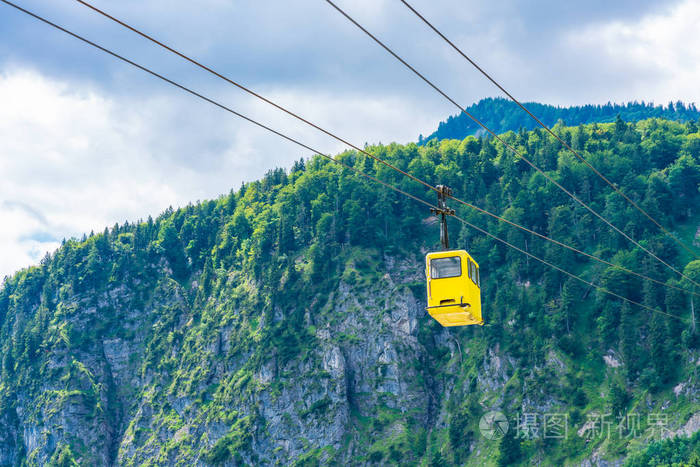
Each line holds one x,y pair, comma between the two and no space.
443,211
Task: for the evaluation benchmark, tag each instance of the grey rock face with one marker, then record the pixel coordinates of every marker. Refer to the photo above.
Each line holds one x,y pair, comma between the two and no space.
173,384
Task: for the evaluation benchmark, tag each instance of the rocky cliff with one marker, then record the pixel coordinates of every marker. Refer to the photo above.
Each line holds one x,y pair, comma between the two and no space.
285,323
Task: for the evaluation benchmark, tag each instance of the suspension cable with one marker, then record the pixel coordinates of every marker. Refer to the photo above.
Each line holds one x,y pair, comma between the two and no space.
251,92
573,276
299,143
304,120
571,248
505,143
564,143
203,97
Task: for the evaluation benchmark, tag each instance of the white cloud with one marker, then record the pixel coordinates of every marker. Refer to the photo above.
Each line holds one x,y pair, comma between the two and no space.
18,247
75,161
655,58
86,141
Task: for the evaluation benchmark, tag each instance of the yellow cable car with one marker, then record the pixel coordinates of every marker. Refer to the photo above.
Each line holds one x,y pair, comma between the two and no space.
454,295
453,283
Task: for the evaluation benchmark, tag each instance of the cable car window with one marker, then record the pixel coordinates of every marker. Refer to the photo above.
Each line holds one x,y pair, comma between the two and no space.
469,268
478,280
441,268
473,272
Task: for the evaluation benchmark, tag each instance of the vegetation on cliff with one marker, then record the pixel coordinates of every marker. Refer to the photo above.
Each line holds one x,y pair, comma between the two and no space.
284,322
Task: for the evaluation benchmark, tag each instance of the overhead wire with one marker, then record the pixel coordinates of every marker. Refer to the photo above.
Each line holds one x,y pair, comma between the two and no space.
344,141
299,143
250,91
506,144
573,276
576,250
203,97
564,143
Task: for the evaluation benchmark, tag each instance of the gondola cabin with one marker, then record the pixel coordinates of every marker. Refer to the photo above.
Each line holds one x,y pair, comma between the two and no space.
454,293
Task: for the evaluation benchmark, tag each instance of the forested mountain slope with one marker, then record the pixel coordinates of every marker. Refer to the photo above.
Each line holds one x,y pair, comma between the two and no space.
285,323
503,115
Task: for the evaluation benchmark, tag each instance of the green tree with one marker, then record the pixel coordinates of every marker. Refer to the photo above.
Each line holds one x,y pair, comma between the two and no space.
173,250
628,341
618,398
459,435
659,350
509,450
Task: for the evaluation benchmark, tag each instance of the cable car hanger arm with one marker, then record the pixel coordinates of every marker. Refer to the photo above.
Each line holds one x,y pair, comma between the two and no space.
443,211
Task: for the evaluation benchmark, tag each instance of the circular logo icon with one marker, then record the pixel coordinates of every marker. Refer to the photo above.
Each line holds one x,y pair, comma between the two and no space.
493,425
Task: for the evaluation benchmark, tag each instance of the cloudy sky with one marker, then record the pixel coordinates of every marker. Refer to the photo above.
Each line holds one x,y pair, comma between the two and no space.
87,141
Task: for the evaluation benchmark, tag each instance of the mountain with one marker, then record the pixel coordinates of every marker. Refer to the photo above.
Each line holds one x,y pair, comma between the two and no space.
285,323
502,115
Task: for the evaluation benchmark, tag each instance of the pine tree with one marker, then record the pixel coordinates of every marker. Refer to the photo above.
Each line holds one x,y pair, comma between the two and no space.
509,451
170,242
285,231
619,398
207,276
659,350
628,341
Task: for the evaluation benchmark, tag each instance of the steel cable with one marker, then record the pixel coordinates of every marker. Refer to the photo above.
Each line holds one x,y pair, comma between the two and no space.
564,143
506,144
299,143
363,151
